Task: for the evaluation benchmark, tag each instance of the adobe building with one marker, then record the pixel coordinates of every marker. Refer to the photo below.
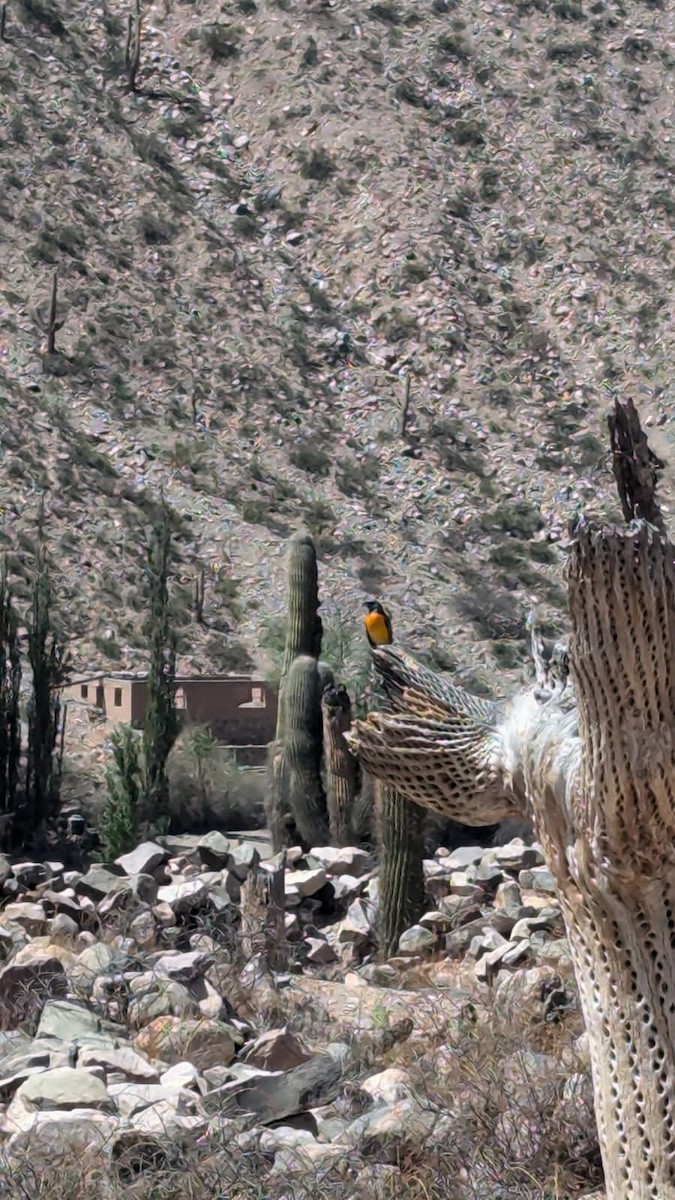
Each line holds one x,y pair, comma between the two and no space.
238,709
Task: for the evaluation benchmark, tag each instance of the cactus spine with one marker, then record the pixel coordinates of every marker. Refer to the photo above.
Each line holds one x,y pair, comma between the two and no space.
340,765
401,895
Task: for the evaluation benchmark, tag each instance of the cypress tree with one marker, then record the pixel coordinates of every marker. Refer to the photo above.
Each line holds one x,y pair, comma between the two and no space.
118,821
161,722
10,685
48,660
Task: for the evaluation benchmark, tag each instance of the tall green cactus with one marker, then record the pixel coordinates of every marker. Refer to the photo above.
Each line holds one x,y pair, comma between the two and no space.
303,749
303,638
401,894
303,625
341,767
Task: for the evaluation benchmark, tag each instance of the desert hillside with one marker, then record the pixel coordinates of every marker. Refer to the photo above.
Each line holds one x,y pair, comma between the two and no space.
297,208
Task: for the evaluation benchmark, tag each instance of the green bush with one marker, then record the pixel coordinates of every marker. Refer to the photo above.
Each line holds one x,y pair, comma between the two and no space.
207,790
118,819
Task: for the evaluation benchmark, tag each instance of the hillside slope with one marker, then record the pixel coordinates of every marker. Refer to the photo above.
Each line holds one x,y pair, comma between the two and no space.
304,204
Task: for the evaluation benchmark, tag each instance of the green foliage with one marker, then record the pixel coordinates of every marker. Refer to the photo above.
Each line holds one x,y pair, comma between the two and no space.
344,646
49,663
10,682
161,722
207,790
118,821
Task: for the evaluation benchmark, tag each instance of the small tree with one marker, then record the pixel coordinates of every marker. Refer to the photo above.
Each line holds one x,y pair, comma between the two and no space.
49,666
118,822
10,684
161,722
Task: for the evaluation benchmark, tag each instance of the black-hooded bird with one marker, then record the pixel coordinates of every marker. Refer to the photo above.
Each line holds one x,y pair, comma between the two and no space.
378,624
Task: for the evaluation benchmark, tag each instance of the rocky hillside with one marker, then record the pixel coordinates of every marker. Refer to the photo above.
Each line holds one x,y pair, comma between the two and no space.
147,1048
265,230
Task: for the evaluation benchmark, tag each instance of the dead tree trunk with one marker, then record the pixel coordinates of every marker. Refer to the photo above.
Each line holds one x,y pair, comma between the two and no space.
593,765
340,765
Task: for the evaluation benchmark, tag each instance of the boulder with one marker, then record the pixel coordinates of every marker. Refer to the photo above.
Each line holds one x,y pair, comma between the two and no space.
144,860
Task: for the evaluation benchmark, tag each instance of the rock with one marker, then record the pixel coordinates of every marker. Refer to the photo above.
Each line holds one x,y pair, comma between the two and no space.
185,896
62,927
242,859
144,860
508,898
143,929
185,966
153,998
214,850
538,879
182,1076
208,1000
462,885
347,887
319,951
31,917
130,892
96,883
544,920
276,1096
437,921
416,940
485,942
31,874
61,1088
388,1086
278,1050
71,1022
463,857
348,860
488,875
121,1060
163,1119
96,959
391,1131
509,954
357,928
173,1039
26,986
305,883
45,1138
516,856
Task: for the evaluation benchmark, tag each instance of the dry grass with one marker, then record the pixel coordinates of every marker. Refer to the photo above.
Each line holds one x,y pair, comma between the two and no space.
503,1125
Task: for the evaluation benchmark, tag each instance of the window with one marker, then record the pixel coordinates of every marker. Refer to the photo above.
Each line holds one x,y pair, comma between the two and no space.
117,698
179,698
257,695
84,691
100,697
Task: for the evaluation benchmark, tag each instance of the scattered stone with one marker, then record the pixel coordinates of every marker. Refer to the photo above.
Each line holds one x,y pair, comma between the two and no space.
278,1050
214,850
172,1039
538,879
144,860
348,860
416,940
305,883
516,856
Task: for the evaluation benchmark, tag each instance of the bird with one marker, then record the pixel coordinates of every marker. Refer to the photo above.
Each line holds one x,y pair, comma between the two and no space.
378,624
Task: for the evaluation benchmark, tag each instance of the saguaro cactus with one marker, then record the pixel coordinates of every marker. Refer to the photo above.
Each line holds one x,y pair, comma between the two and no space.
593,763
340,765
303,748
303,638
401,879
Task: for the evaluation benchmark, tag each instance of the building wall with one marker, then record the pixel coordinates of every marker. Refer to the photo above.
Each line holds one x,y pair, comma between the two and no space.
213,702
